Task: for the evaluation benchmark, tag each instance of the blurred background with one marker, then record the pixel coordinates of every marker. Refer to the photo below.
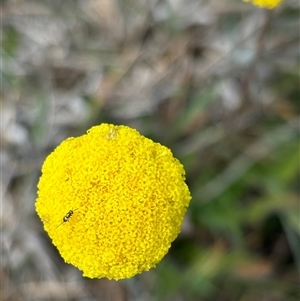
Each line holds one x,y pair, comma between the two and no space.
216,81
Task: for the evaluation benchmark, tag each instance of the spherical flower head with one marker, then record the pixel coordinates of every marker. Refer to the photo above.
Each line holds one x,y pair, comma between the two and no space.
112,201
270,4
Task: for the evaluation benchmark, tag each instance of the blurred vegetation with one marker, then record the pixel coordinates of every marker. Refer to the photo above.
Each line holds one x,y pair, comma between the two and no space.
216,81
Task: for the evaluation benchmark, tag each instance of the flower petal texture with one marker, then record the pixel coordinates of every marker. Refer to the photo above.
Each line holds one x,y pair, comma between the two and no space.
112,201
270,4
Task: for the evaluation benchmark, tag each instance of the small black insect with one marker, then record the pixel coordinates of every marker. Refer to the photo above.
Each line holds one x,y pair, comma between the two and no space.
66,218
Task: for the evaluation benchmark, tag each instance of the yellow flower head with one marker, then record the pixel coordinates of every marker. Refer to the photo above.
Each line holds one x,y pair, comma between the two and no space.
270,4
112,201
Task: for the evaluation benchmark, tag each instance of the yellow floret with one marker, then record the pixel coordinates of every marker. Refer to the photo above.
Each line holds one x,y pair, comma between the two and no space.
112,201
270,4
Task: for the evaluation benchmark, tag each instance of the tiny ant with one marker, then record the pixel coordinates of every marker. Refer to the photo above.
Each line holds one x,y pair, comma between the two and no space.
67,217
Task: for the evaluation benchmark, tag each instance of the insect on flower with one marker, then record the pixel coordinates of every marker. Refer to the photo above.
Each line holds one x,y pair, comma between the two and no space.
116,157
67,217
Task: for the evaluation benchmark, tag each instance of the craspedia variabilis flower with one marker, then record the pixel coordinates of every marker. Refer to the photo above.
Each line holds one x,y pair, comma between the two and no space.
112,201
270,4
